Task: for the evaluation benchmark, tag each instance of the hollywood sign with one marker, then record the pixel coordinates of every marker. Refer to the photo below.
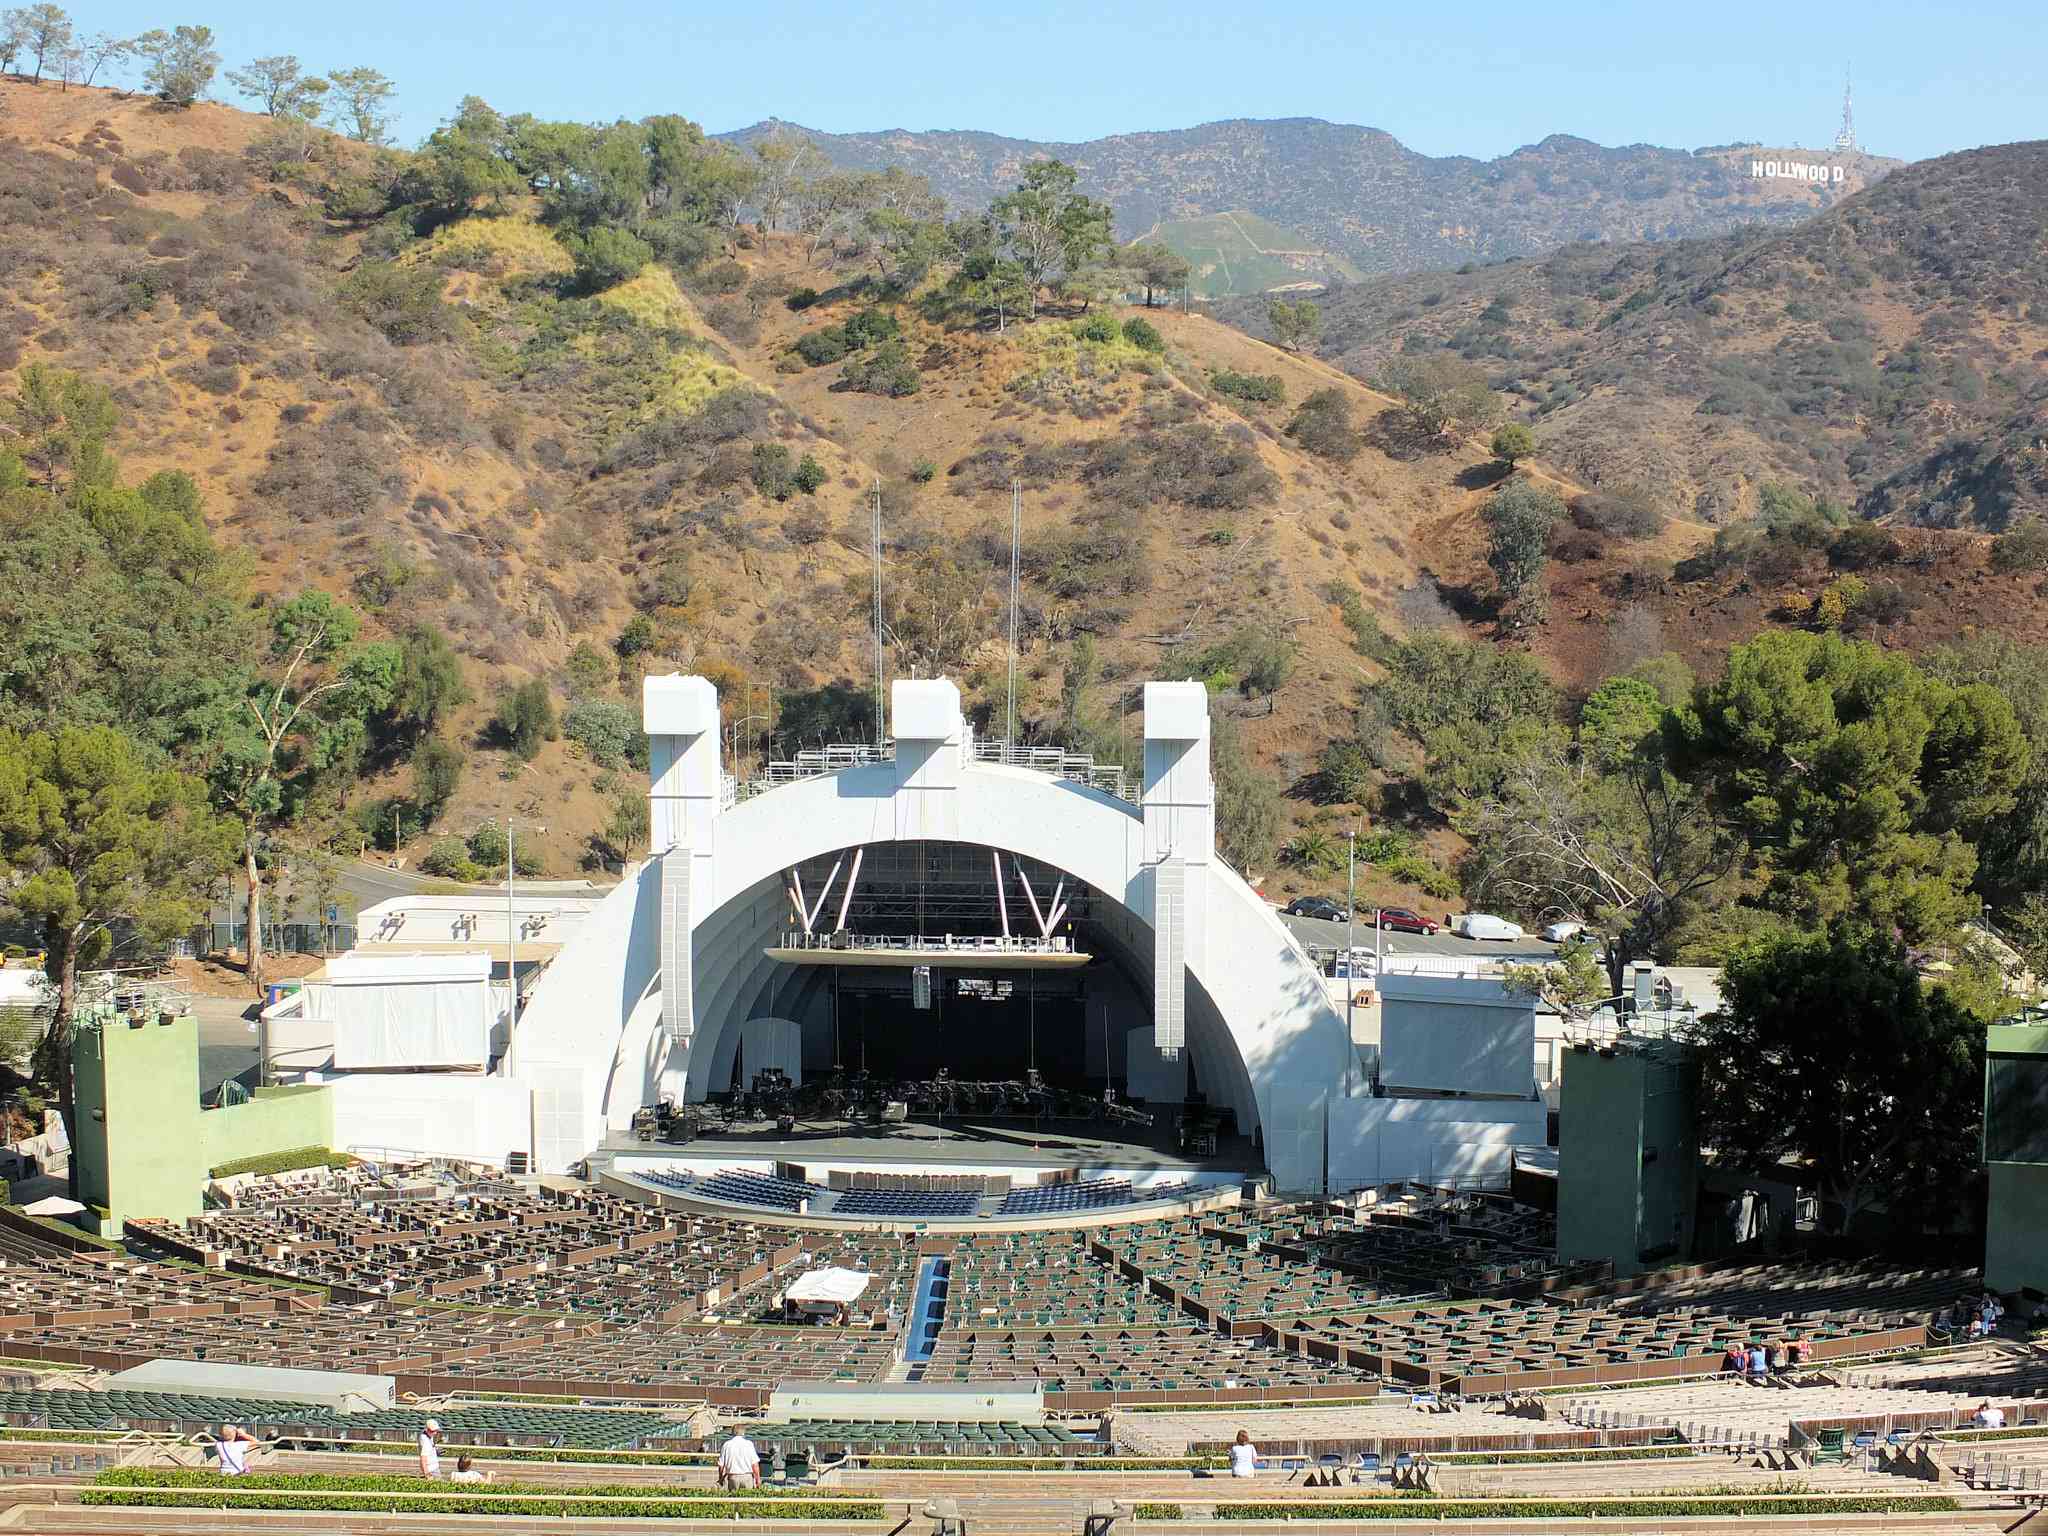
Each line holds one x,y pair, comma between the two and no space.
1792,170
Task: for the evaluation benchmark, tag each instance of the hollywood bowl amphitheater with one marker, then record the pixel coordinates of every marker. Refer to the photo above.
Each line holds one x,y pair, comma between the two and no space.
949,1121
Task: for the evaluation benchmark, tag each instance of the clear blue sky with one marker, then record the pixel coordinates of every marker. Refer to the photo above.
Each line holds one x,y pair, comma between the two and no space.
1477,79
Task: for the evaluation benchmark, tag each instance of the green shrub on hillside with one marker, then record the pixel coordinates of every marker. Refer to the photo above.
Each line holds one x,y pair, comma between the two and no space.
525,718
402,302
605,728
1321,424
449,860
2022,547
1143,334
607,256
886,371
772,471
1259,388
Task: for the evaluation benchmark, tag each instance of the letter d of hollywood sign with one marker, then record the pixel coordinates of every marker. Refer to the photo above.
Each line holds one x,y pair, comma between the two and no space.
1792,170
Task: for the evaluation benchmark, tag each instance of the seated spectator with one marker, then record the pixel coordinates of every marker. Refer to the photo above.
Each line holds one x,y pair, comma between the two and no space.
465,1472
1801,1351
1781,1359
1988,1417
1759,1363
1733,1362
1978,1327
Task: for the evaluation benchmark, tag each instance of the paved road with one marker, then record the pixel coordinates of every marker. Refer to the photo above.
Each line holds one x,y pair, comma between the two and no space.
365,884
1315,933
227,1043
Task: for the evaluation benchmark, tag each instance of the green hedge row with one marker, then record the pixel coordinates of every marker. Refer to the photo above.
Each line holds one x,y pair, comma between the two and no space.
1037,1463
291,1160
385,1482
1589,1509
183,1487
524,1453
1589,1454
1972,1436
640,1507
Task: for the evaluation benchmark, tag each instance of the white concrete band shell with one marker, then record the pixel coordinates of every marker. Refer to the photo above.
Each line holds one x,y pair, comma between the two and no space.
661,984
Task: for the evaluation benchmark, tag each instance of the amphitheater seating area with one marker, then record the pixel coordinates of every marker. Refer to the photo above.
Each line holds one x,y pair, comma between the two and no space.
924,1437
590,1429
737,1186
1133,1360
101,1411
905,1205
668,1179
582,1294
1051,1199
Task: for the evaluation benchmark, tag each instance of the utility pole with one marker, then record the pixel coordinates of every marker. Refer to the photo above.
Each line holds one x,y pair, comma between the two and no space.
1351,949
1016,525
876,551
512,944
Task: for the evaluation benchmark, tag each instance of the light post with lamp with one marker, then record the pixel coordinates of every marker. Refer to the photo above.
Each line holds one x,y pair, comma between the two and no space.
512,934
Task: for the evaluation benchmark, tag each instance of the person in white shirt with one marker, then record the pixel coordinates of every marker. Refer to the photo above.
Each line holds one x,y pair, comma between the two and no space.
430,1450
235,1442
1988,1417
739,1464
1244,1456
466,1473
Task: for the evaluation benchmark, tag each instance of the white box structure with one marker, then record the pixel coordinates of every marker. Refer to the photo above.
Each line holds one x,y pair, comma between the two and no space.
405,1010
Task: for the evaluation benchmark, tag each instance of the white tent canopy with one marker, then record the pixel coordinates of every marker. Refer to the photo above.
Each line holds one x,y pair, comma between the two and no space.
53,1205
829,1287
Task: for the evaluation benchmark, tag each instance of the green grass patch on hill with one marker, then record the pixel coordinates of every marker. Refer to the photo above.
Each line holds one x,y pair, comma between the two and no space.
1233,254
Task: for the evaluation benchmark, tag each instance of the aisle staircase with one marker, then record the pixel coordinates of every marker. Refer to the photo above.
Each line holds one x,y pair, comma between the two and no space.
927,1317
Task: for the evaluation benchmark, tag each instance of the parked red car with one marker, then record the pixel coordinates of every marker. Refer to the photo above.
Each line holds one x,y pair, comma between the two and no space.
1403,920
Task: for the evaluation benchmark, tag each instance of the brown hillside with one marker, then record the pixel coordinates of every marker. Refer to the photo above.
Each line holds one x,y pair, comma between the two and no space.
529,471
1888,353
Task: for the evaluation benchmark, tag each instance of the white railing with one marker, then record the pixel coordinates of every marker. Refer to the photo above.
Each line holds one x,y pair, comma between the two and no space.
816,762
947,943
1079,767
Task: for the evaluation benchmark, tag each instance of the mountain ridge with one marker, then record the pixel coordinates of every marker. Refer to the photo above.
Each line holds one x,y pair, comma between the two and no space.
1885,354
1362,194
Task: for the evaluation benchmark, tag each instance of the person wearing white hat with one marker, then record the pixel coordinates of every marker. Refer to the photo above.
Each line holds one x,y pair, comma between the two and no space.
430,1450
234,1446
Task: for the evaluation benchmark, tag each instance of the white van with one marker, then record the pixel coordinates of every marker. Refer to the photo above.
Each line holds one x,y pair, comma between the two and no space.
1481,925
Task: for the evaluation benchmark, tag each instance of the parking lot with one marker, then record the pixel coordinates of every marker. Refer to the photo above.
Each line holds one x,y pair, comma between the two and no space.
1318,936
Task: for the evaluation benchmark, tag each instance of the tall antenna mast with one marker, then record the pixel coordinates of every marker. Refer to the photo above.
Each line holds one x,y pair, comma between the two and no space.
1846,139
876,550
1016,523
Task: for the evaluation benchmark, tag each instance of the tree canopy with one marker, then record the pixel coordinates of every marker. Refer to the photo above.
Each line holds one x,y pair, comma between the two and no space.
1830,1051
93,834
1856,777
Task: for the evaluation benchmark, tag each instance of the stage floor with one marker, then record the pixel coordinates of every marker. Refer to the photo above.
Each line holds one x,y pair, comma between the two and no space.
1010,1143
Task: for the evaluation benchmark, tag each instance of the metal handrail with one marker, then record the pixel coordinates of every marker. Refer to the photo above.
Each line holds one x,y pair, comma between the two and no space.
949,943
816,762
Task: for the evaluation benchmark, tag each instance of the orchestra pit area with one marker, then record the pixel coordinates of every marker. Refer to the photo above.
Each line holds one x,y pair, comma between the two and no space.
1376,1346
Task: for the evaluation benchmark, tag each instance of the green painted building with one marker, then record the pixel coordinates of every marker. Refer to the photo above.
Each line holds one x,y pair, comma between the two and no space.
1627,1153
2016,1156
142,1143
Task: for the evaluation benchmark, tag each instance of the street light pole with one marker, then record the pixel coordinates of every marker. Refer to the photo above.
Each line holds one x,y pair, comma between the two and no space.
512,944
1350,951
511,954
